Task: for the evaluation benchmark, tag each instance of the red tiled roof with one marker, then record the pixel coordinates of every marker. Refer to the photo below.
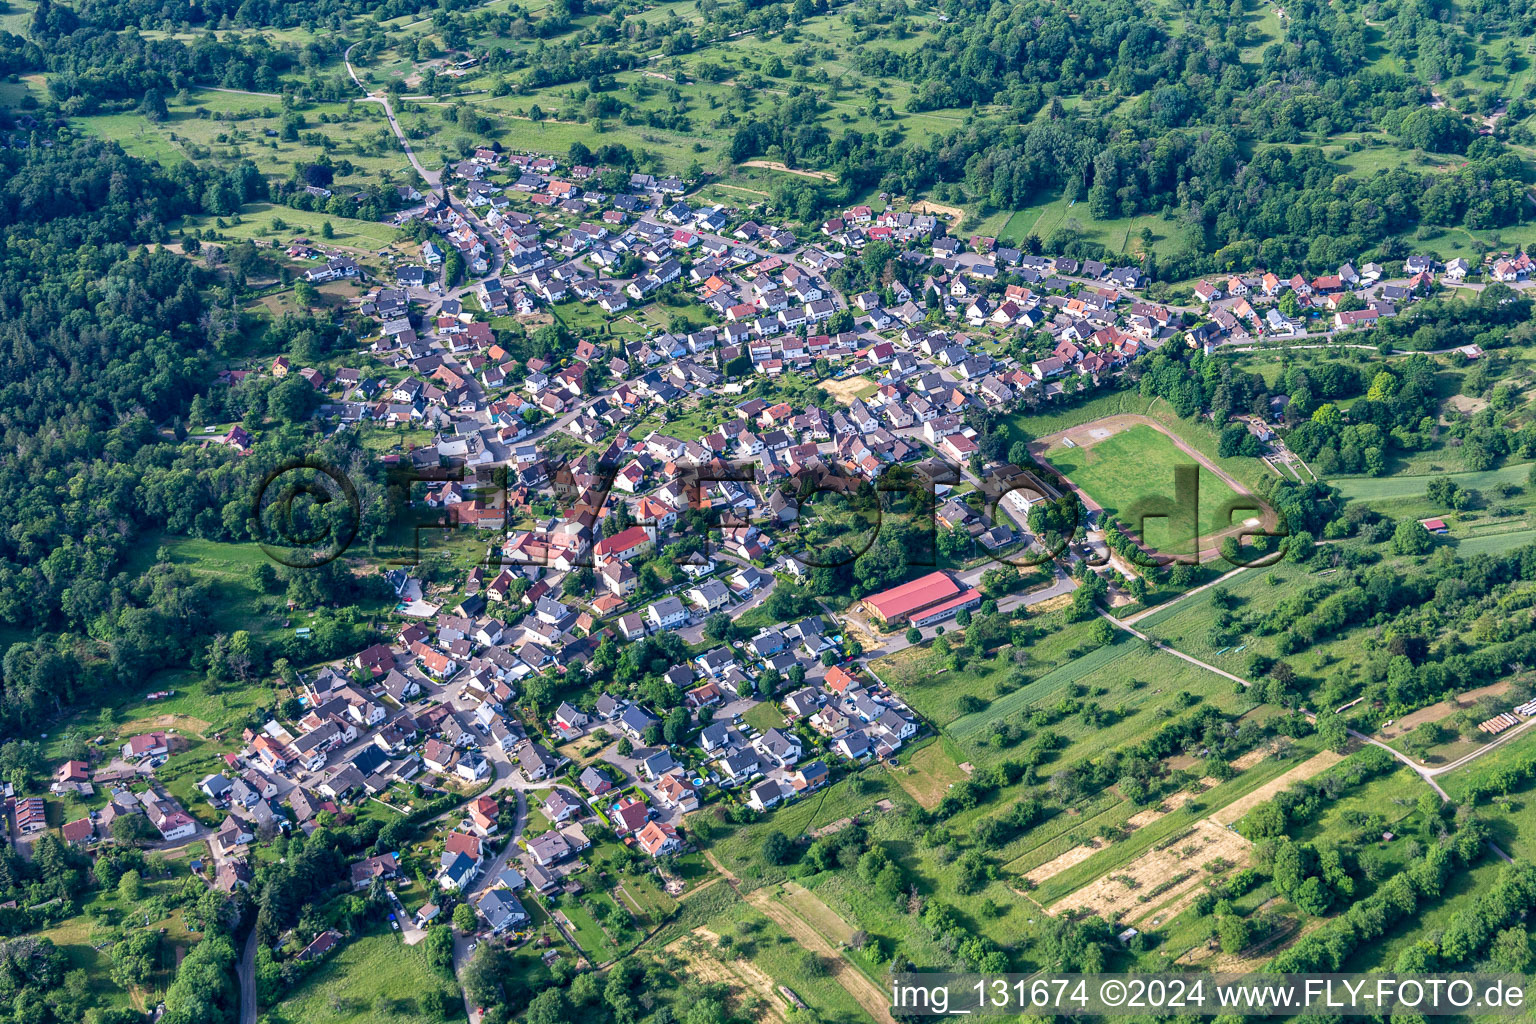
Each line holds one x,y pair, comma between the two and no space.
458,842
958,601
625,540
912,596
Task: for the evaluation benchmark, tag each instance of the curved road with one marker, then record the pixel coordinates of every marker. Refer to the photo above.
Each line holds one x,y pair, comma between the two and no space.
1423,772
432,178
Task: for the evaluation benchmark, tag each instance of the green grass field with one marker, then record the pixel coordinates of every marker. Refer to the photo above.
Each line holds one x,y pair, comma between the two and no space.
375,978
972,725
1137,466
784,960
1025,426
1494,543
256,222
1399,487
1455,783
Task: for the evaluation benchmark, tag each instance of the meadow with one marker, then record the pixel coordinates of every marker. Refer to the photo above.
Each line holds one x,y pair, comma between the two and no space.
374,978
1402,486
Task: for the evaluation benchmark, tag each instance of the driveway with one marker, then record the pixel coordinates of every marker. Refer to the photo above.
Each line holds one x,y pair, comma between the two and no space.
488,875
695,634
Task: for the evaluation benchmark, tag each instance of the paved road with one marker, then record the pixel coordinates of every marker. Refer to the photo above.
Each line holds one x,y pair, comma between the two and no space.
695,634
488,875
1426,773
461,943
247,979
461,954
430,177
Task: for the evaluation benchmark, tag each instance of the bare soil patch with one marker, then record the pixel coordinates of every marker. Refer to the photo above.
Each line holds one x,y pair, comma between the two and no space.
874,999
1073,857
1051,604
1141,819
954,213
1444,709
1466,404
777,165
1251,758
844,391
1314,765
740,975
1128,891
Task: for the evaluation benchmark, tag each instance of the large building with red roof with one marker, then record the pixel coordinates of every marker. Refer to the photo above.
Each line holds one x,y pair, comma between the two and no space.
923,601
627,544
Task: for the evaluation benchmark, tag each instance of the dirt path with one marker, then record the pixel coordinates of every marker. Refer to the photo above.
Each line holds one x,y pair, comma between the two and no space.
1073,857
1444,709
875,1001
743,188
776,165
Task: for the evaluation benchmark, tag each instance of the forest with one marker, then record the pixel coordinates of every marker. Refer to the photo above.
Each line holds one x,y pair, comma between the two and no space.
112,341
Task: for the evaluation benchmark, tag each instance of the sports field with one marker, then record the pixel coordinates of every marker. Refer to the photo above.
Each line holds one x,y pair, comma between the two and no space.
1133,469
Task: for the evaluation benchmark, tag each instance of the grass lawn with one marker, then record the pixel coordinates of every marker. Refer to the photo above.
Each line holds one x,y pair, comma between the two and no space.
928,772
1391,797
739,847
1187,624
1430,919
73,937
771,950
230,568
1140,691
1512,823
971,726
1137,466
589,934
1494,543
764,716
936,692
1121,234
1027,426
370,979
